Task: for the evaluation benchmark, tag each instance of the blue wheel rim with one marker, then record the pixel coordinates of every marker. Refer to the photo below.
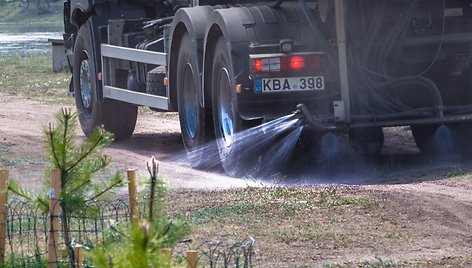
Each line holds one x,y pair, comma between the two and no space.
225,112
190,102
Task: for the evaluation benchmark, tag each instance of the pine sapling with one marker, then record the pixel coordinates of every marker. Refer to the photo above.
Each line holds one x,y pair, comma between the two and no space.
77,165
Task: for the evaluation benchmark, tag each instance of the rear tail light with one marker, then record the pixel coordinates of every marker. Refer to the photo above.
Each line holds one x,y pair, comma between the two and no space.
296,63
293,63
257,65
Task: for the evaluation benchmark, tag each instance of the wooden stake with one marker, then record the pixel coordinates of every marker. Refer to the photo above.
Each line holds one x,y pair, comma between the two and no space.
54,208
133,192
192,259
3,213
79,258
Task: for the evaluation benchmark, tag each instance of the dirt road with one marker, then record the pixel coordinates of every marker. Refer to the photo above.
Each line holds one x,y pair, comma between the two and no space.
21,146
431,194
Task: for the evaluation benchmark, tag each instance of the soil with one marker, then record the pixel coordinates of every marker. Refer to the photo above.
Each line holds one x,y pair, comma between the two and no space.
156,134
431,194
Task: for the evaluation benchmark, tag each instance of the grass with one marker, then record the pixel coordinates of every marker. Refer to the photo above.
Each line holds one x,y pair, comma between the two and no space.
5,153
377,263
32,77
388,263
284,219
9,158
272,201
5,148
456,172
14,12
308,226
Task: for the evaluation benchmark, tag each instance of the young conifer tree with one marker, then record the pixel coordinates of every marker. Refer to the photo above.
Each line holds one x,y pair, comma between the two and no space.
140,244
77,165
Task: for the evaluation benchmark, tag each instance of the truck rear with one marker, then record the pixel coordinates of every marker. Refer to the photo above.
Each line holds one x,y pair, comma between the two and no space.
226,66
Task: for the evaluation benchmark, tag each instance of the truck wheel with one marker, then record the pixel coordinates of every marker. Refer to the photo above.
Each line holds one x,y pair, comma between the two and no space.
367,141
434,139
225,112
423,136
195,122
462,133
116,117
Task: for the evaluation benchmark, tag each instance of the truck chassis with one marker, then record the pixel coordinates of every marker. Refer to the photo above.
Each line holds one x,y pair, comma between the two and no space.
355,66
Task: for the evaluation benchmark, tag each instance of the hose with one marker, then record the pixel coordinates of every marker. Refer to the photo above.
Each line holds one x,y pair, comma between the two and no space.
387,104
441,43
318,35
276,4
157,22
378,84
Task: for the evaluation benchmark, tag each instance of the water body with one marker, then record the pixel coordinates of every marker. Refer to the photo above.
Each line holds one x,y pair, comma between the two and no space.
26,39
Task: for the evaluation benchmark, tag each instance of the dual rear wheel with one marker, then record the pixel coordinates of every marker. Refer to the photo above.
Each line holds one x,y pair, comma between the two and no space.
214,136
228,123
208,133
195,120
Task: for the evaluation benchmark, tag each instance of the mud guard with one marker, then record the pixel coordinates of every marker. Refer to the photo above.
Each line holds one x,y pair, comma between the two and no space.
230,23
258,30
194,21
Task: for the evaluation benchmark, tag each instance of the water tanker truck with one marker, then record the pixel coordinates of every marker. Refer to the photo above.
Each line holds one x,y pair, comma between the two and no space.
352,66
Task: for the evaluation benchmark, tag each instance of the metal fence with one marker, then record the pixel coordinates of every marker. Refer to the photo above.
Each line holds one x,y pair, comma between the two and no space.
28,227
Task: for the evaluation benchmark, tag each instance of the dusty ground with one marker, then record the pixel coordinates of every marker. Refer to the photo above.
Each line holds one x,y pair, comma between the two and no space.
21,145
431,198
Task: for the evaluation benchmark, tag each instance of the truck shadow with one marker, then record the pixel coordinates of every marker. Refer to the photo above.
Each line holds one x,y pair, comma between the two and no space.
160,144
399,163
384,169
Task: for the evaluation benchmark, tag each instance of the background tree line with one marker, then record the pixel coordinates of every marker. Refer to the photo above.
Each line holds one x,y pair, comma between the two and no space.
39,7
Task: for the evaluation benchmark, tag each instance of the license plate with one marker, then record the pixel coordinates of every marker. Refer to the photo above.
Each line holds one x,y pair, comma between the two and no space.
270,85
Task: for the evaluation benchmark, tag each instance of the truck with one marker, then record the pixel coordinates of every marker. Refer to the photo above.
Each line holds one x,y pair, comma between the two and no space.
350,66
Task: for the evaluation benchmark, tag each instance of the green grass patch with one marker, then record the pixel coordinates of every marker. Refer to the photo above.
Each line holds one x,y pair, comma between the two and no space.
278,200
285,214
377,263
456,172
32,77
295,224
5,154
9,158
5,148
20,161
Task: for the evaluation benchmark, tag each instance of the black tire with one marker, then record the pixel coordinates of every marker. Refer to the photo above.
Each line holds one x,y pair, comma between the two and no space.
367,141
226,118
155,81
115,116
462,134
434,139
423,136
195,121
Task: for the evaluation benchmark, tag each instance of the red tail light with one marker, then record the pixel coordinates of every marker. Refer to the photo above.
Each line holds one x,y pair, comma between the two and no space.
257,65
295,63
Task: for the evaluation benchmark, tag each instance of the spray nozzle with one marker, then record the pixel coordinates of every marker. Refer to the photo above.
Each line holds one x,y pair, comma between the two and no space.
308,119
